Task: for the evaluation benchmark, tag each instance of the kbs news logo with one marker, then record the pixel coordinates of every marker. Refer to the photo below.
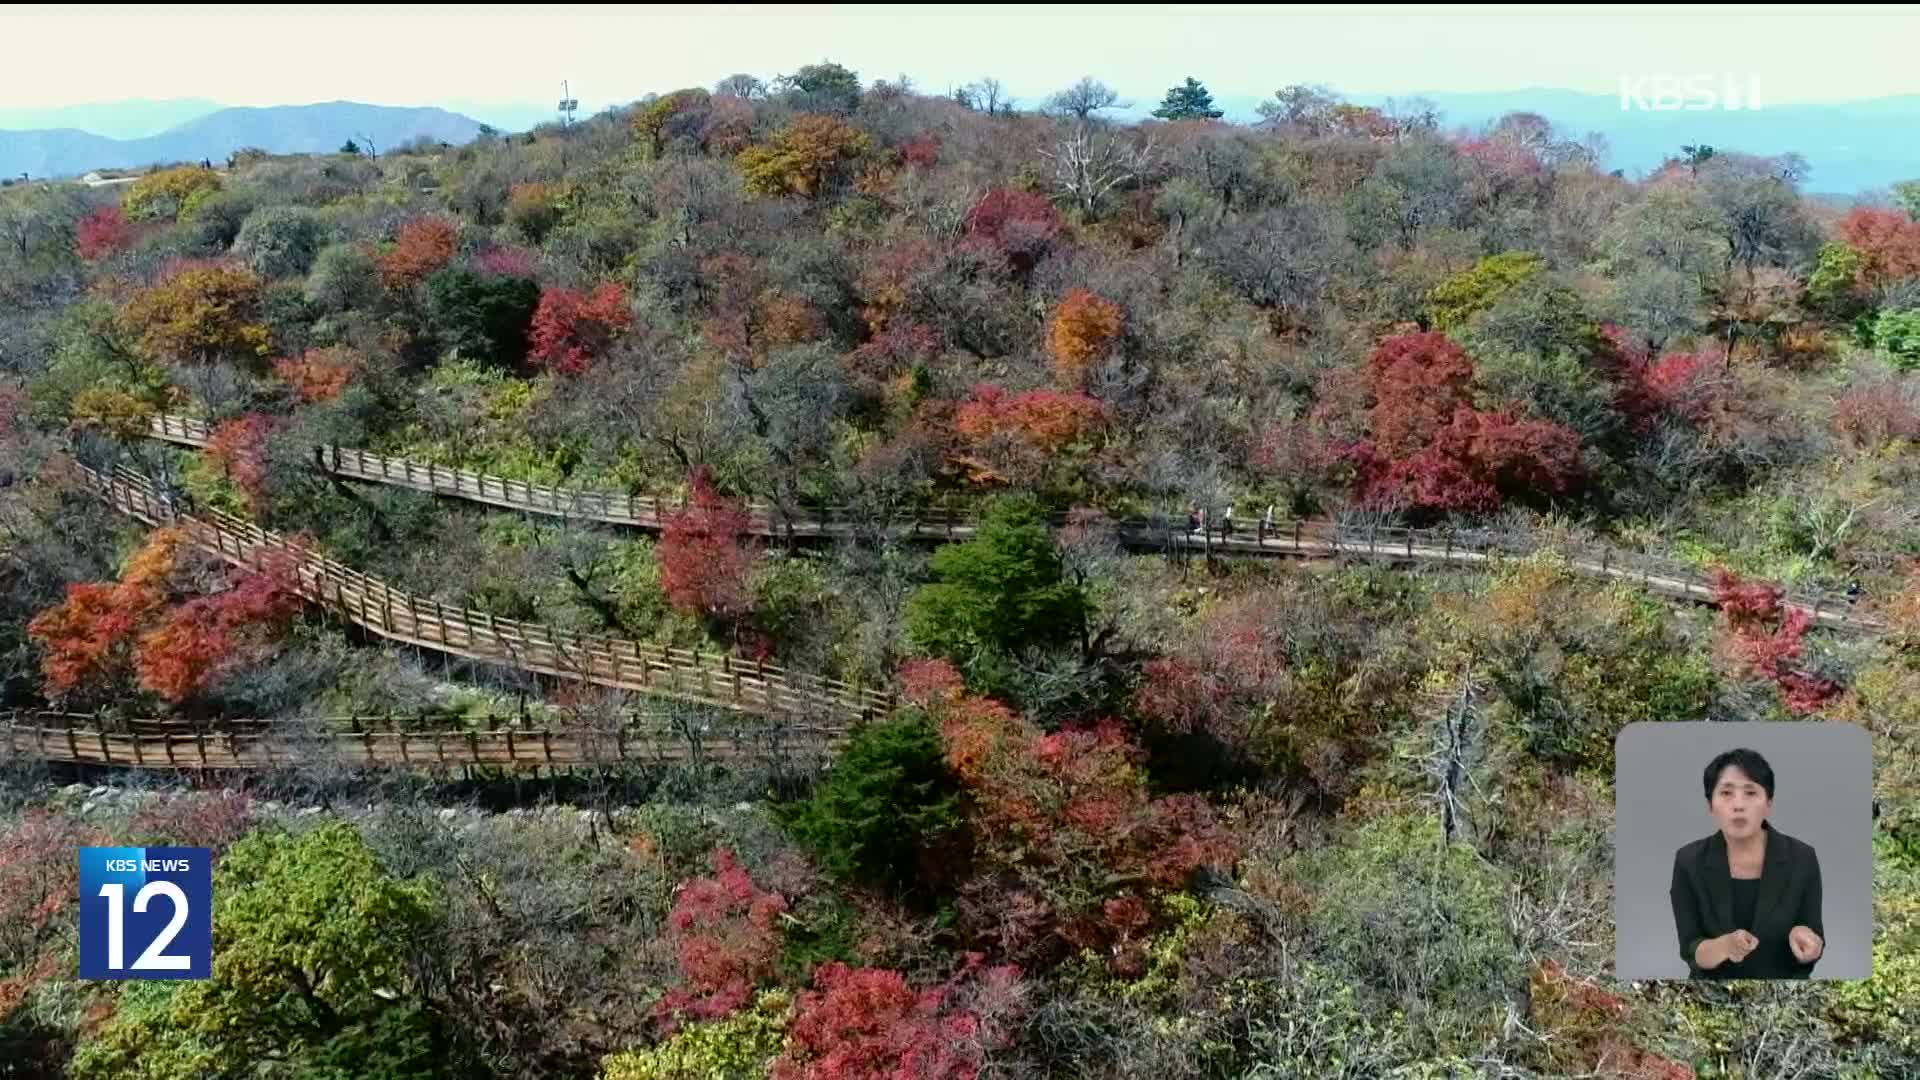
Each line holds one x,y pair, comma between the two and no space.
1671,93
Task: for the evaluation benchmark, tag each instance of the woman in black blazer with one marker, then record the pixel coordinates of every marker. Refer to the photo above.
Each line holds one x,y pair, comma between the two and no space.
1746,900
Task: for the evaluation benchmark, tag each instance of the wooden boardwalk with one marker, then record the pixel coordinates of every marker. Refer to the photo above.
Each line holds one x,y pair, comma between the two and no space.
368,602
374,742
1298,538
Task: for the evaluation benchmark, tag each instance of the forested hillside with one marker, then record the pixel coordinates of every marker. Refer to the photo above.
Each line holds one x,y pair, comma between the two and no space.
932,555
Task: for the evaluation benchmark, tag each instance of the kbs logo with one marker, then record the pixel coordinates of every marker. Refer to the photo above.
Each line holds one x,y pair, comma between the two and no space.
1691,93
153,906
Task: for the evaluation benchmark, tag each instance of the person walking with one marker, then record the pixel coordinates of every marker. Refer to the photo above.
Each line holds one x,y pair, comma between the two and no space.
1226,523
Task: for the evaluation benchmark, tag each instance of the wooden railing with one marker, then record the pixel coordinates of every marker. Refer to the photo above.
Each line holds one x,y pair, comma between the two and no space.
1291,537
358,741
686,674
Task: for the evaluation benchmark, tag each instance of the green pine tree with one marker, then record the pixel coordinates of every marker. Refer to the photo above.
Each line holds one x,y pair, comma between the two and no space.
1188,102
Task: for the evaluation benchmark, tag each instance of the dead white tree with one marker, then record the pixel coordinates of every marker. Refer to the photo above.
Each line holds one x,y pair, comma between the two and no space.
1088,163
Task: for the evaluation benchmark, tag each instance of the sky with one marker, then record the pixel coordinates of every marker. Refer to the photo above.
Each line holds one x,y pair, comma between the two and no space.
414,55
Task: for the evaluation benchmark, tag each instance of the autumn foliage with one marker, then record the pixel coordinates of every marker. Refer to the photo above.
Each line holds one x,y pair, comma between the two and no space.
1045,419
1070,847
175,649
1888,242
1015,226
200,311
868,1024
82,637
805,158
705,555
1085,325
422,246
1432,448
317,374
39,879
209,635
571,329
726,934
104,232
239,446
1768,640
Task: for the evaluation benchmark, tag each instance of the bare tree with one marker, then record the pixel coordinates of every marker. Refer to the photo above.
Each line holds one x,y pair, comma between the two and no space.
1087,164
989,95
743,86
1084,98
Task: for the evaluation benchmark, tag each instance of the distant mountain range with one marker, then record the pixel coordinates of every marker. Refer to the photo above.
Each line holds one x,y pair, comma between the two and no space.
1852,147
281,129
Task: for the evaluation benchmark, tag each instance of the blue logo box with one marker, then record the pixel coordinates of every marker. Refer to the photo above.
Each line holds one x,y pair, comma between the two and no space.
146,913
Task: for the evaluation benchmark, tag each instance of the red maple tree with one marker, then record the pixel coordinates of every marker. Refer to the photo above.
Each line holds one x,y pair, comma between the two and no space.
1888,242
1431,448
1070,847
104,232
1016,226
869,1024
239,447
1768,639
422,246
571,329
726,934
706,557
209,635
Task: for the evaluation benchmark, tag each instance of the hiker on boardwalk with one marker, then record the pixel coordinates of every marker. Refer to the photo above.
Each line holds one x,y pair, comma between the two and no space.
1853,592
1193,520
1226,523
1266,524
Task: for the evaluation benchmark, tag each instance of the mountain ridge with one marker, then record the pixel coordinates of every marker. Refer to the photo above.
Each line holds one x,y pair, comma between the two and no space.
320,127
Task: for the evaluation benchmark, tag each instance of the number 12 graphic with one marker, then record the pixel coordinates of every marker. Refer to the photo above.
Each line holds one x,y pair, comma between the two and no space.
169,923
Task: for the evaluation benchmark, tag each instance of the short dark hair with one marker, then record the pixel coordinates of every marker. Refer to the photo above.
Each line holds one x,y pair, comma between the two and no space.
1749,762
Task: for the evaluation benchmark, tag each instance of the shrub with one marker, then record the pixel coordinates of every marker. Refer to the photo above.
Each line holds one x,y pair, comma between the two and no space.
1897,334
726,932
344,277
740,1047
888,798
868,1024
311,947
170,193
280,241
482,316
1412,916
1003,590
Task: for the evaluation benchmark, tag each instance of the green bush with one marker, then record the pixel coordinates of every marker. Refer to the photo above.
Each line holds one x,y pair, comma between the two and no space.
311,948
741,1047
343,277
888,798
998,593
483,316
1471,291
1418,920
1897,333
280,241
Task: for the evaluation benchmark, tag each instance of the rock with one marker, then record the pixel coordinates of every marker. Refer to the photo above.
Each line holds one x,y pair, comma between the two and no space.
447,814
743,808
309,811
87,807
73,789
98,792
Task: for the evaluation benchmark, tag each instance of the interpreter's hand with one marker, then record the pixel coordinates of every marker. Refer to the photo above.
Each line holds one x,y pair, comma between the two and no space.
1738,944
1806,944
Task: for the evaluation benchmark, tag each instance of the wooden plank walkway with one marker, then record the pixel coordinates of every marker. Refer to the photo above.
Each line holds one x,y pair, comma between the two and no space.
1298,538
395,614
357,742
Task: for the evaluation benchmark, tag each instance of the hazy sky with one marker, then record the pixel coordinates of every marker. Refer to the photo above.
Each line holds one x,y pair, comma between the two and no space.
408,55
